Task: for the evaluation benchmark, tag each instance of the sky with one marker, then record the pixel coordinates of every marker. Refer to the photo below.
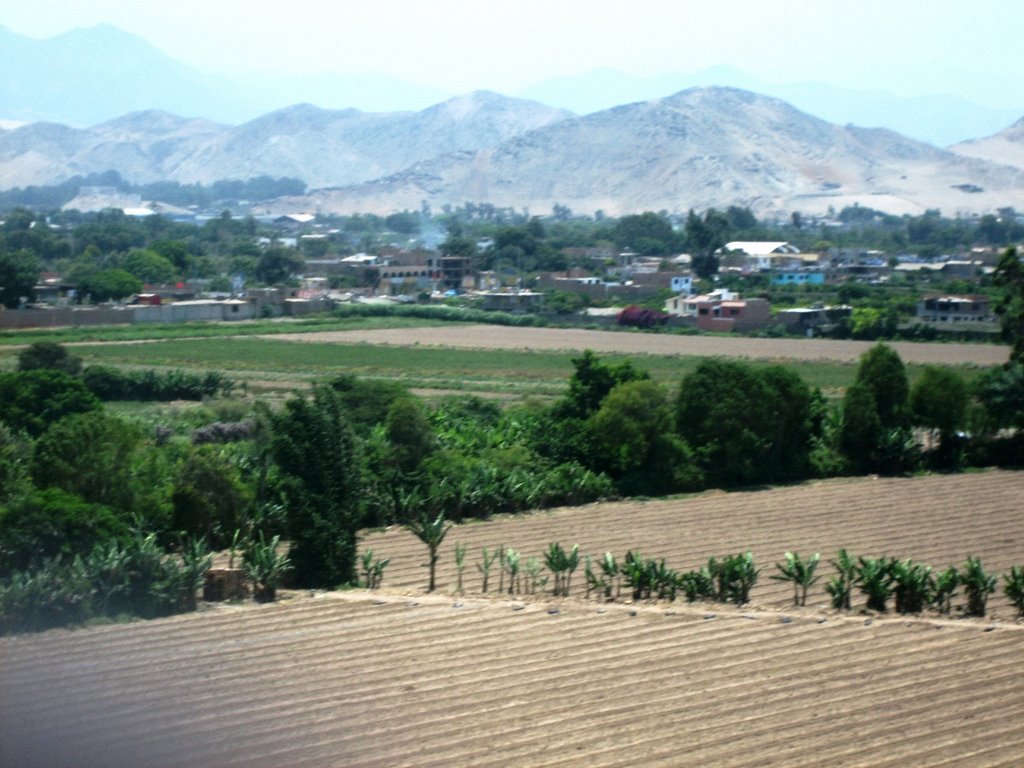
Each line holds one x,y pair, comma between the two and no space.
907,47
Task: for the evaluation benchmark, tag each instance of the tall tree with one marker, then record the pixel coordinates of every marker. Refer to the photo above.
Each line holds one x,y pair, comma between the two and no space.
881,370
938,401
19,271
317,455
703,238
1009,276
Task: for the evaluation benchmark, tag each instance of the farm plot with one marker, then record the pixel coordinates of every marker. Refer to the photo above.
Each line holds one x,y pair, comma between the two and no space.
625,343
401,678
938,520
345,680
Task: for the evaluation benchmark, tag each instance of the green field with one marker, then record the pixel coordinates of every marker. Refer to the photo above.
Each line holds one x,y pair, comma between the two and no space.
275,364
268,364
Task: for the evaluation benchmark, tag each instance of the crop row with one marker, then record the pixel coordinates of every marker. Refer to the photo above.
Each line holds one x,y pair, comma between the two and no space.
914,586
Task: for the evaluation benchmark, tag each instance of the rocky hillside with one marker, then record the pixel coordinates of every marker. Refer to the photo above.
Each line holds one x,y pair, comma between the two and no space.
701,147
322,147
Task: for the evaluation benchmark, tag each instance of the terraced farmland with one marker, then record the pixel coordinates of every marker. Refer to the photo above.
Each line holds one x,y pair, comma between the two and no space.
400,678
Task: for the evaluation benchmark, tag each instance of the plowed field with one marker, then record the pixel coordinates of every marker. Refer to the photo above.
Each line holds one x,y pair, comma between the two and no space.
399,678
577,339
938,520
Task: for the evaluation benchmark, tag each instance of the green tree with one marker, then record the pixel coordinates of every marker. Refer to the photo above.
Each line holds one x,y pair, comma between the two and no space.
320,466
747,425
648,234
881,370
19,272
110,284
277,264
938,401
591,382
48,355
1001,393
1009,277
875,434
32,400
90,455
633,434
410,433
703,238
149,266
50,522
861,430
209,498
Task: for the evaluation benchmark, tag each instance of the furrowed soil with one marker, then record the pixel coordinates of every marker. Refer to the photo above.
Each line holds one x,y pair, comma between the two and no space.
576,339
397,677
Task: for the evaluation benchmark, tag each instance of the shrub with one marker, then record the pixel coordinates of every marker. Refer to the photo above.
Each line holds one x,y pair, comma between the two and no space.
640,317
150,385
53,594
134,578
697,585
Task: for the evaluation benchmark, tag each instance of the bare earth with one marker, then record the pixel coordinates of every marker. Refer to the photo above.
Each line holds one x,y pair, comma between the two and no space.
401,678
578,339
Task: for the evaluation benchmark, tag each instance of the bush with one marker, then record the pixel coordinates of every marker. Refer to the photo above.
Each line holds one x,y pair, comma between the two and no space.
639,317
151,385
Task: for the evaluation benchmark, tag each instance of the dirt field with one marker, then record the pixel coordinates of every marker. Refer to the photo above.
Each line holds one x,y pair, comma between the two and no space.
938,520
400,678
500,337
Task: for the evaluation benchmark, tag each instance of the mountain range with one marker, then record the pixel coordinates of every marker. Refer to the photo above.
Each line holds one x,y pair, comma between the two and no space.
89,76
700,147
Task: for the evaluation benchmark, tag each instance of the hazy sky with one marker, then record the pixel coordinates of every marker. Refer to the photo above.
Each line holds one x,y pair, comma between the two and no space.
904,46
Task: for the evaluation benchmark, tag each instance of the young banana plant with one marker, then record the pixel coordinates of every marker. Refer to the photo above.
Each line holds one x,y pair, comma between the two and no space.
485,567
460,565
431,531
800,572
978,585
840,586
